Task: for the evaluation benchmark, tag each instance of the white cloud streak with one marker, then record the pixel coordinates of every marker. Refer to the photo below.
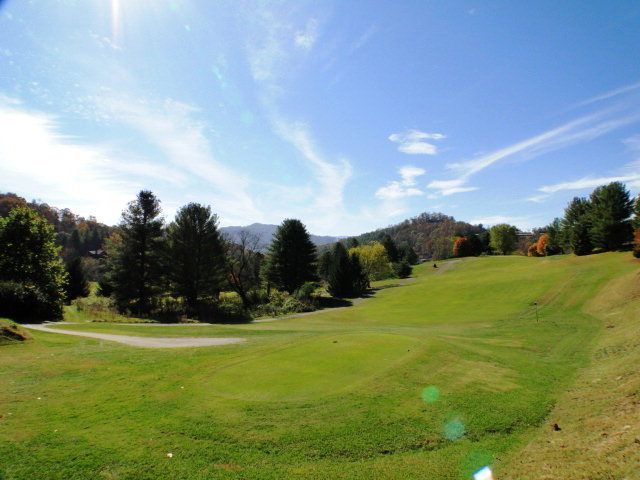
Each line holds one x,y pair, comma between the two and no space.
607,95
580,130
37,159
172,127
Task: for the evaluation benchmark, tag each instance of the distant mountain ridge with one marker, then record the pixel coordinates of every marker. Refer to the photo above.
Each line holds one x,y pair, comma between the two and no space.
265,234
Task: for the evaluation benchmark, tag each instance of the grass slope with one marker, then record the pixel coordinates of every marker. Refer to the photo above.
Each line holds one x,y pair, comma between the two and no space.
432,379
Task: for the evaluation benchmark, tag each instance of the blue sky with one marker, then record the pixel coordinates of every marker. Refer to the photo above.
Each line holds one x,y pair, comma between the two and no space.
348,115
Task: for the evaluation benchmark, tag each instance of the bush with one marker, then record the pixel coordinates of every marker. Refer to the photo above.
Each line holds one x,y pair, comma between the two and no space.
281,303
402,269
532,251
23,302
305,292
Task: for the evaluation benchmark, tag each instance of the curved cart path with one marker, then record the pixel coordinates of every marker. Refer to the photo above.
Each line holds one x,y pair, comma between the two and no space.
145,342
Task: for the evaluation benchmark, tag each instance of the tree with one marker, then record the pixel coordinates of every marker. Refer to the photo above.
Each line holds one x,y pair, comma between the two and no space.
196,262
576,226
29,260
391,248
636,243
352,243
359,279
462,247
541,245
408,254
324,265
555,240
476,245
374,260
77,284
636,212
611,208
402,269
243,265
135,266
292,257
340,283
503,238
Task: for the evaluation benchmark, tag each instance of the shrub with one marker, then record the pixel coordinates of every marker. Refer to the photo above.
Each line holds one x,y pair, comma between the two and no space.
402,269
305,292
23,302
532,251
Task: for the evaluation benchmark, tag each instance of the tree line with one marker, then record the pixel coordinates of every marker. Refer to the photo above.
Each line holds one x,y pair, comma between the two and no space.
186,267
181,268
606,220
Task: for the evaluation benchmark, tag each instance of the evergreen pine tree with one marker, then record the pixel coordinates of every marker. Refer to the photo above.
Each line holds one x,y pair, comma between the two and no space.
135,267
340,275
77,284
292,257
196,263
610,210
576,226
391,248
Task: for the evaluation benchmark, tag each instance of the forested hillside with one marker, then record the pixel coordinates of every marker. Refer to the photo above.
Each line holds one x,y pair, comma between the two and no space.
429,234
75,234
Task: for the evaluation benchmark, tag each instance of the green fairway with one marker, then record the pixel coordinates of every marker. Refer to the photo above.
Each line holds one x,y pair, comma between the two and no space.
432,378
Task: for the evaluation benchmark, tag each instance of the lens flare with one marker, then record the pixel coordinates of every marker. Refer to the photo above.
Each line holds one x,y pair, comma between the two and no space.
115,21
430,394
484,473
454,430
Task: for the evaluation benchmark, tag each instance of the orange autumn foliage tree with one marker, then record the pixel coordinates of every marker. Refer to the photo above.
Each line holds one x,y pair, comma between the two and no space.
462,247
541,245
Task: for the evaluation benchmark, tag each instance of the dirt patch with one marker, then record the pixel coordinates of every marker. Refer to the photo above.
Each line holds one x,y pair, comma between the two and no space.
146,342
11,332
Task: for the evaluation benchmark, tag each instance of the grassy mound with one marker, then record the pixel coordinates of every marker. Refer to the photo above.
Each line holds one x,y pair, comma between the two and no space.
432,378
11,332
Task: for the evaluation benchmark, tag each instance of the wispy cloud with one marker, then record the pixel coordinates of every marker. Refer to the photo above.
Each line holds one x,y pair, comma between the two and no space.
36,157
607,95
405,187
173,128
413,142
306,38
580,130
590,182
332,176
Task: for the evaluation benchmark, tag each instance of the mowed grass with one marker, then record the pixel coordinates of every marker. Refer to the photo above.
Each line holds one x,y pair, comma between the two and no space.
337,394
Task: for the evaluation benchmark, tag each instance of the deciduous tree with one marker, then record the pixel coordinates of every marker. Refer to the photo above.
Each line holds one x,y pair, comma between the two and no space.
243,265
503,238
29,261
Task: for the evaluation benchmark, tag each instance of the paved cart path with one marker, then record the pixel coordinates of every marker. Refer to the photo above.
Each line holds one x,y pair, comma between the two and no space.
145,342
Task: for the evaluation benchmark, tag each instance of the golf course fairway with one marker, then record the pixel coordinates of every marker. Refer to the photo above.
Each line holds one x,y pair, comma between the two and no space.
433,378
